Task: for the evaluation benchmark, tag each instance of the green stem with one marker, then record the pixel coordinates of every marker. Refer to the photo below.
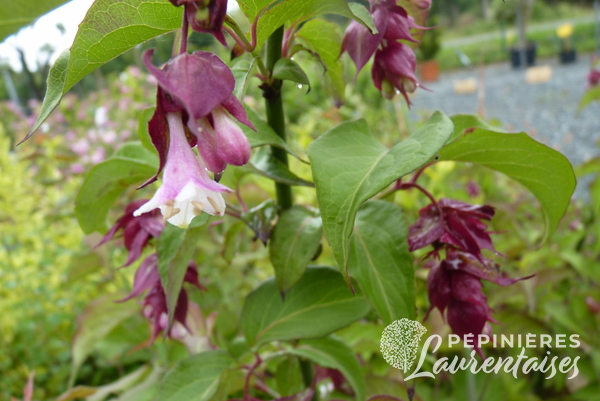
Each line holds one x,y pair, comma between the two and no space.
275,114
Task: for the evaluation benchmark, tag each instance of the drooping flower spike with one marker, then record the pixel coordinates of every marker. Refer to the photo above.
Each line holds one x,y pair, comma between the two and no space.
147,278
454,282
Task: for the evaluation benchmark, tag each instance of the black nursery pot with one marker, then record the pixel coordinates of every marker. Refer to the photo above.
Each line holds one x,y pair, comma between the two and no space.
515,56
568,56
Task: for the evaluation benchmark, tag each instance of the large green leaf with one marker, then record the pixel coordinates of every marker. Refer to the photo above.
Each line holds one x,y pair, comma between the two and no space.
16,14
463,122
380,261
330,352
106,181
542,170
349,166
110,28
54,90
294,242
175,248
323,38
319,304
195,378
96,321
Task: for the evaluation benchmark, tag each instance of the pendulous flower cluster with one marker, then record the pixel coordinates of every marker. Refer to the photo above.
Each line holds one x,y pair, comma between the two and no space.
137,233
454,283
395,62
195,106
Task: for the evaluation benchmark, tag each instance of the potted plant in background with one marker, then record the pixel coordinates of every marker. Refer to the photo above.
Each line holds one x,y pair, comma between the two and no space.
517,11
428,50
567,51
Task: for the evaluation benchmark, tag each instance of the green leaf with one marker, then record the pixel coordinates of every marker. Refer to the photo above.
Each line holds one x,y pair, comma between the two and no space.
349,167
260,219
264,163
96,321
588,97
195,378
104,183
137,151
463,122
380,261
546,173
16,14
55,86
175,249
143,134
362,15
294,242
251,8
324,39
81,266
288,377
264,134
296,11
110,28
319,304
289,70
241,71
331,352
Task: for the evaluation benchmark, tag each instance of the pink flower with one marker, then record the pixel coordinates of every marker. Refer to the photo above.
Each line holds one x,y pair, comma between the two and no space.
186,189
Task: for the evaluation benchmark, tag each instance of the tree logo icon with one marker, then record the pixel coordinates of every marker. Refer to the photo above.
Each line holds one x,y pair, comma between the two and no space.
399,343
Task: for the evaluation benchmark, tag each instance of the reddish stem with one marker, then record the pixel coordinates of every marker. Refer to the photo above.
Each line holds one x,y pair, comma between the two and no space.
408,185
248,375
419,172
184,32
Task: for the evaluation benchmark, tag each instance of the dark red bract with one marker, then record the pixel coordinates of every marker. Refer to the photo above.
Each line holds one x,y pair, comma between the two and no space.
137,231
454,223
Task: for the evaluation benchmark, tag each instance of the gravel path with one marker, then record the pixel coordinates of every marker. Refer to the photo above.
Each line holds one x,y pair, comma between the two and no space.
547,111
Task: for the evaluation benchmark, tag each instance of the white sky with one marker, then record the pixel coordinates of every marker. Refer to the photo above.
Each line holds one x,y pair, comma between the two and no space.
44,30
